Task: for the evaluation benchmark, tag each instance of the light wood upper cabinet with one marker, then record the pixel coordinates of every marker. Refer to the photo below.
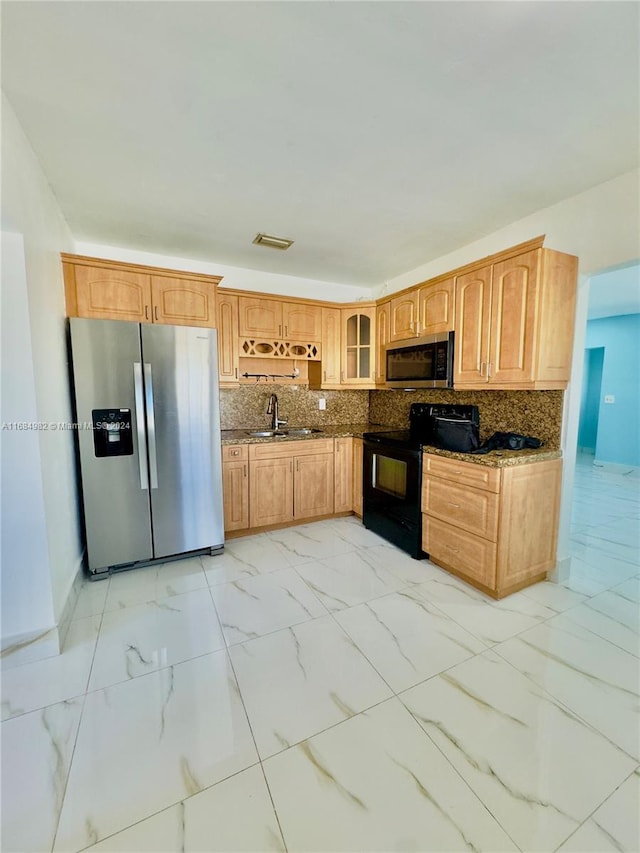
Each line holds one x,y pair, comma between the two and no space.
383,321
404,316
436,307
331,350
227,309
514,322
473,311
109,290
260,318
301,322
358,346
181,302
108,294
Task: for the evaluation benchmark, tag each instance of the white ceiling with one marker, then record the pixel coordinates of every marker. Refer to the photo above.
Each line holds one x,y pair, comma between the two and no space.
377,135
615,292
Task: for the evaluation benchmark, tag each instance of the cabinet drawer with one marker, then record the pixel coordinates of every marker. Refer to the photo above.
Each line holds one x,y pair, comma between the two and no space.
277,450
456,549
474,510
233,452
466,473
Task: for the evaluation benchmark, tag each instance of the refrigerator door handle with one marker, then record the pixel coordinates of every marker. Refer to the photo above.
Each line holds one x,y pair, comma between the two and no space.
151,426
142,445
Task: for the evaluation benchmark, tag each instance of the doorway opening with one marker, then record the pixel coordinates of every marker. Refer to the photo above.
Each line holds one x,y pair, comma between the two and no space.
590,401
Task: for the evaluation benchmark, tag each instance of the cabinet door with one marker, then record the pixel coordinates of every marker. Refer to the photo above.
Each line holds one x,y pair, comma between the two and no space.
514,290
467,555
301,322
235,490
109,294
313,489
383,321
472,311
343,485
436,307
270,491
358,346
404,316
331,352
227,308
181,302
357,476
260,317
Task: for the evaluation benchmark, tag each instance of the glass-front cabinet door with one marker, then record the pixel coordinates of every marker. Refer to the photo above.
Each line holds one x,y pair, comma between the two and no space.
358,346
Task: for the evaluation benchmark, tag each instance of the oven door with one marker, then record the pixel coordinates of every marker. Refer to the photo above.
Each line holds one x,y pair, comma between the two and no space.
392,478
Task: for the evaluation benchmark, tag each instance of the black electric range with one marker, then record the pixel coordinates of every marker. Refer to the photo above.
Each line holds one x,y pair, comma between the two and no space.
392,474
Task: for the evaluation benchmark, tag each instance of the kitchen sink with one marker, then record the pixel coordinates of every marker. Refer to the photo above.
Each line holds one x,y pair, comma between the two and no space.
278,433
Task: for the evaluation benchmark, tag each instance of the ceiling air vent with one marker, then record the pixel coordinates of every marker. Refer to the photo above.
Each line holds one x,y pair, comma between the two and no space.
272,242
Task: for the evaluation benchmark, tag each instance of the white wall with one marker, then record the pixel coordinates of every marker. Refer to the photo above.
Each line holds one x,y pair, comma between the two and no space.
27,602
238,278
29,208
602,227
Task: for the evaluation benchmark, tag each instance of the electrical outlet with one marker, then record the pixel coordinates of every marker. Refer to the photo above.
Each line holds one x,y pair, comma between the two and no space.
609,398
322,404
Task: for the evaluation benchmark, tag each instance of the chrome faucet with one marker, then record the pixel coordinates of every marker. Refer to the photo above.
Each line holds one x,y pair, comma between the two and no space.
272,409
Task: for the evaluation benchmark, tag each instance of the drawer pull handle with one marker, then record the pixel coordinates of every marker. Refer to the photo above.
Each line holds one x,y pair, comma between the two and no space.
245,469
453,550
457,506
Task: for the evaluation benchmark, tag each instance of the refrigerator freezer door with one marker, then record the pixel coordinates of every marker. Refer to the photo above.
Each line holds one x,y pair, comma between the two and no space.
183,421
108,379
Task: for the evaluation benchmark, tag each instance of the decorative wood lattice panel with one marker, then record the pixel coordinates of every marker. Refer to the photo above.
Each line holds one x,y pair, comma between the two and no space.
253,348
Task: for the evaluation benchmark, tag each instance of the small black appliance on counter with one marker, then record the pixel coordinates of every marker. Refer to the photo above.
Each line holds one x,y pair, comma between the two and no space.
392,471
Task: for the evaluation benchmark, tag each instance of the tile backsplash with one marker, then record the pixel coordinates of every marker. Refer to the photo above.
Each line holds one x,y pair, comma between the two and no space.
535,413
247,406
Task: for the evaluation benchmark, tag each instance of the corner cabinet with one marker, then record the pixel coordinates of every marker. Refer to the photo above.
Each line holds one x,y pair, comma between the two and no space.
493,527
514,323
109,290
358,346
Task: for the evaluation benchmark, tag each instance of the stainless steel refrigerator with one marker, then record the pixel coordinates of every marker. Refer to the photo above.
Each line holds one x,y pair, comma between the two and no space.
148,418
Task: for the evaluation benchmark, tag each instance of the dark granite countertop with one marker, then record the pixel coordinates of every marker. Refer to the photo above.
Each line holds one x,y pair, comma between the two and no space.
495,459
239,436
500,458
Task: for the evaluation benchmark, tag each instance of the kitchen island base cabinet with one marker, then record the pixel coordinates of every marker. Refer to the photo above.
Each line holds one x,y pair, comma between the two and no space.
494,527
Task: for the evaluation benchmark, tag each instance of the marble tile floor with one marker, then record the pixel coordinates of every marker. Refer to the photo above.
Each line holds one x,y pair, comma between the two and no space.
315,689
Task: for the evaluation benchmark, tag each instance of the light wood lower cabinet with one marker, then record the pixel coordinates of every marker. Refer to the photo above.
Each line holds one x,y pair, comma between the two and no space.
494,527
270,491
357,476
343,468
290,481
272,484
313,485
235,486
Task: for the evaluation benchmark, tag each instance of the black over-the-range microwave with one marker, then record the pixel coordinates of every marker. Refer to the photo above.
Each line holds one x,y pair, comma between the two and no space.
425,362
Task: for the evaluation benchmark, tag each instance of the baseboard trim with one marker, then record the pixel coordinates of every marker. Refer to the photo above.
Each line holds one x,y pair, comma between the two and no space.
615,467
561,572
72,599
